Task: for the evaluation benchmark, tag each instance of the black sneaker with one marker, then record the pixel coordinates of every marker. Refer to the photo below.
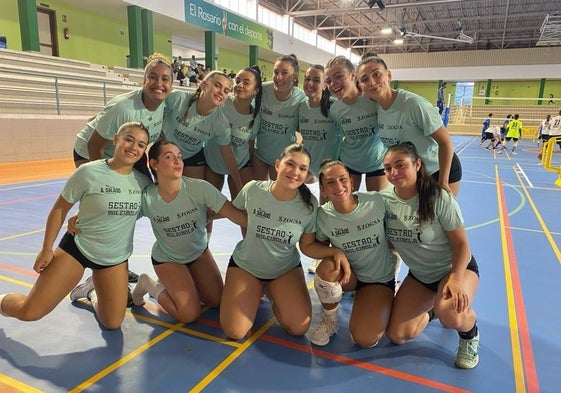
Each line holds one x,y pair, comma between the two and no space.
130,303
133,277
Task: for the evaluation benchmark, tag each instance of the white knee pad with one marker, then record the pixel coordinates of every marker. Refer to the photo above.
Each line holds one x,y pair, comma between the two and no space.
328,292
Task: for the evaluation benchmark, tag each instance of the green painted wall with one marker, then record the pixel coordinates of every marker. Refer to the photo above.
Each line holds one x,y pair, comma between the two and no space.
553,87
110,39
232,60
427,89
9,25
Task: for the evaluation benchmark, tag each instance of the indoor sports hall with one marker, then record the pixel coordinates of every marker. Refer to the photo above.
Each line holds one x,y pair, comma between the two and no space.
510,207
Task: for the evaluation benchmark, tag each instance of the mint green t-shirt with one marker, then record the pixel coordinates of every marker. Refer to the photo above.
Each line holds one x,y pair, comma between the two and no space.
362,149
240,136
109,208
411,118
191,134
279,121
360,235
425,249
180,225
274,229
321,135
121,109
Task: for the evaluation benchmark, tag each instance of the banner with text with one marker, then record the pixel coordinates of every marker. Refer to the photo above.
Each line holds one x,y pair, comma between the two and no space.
213,18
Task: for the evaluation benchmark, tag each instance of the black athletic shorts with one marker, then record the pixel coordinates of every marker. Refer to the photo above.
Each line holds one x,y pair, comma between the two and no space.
433,286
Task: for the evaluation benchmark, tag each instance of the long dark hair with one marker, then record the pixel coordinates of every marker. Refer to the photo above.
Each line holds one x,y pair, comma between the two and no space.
303,189
325,100
154,154
256,72
294,63
428,189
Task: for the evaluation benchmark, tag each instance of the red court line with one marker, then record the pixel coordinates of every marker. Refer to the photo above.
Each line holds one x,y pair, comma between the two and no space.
366,366
26,272
523,331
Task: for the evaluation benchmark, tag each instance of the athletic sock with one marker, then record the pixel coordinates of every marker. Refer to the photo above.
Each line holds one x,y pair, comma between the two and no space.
470,333
331,314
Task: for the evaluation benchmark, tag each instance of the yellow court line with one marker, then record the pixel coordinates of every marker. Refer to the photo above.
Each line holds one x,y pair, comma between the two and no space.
230,358
546,231
14,281
106,371
22,387
22,234
192,332
234,355
519,378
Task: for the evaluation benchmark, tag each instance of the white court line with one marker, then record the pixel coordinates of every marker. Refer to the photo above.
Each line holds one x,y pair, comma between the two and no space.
31,185
518,169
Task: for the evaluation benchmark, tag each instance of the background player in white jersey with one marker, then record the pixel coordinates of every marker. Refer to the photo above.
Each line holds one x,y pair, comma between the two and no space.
354,223
279,116
555,128
405,116
109,195
493,135
281,214
424,223
177,209
362,150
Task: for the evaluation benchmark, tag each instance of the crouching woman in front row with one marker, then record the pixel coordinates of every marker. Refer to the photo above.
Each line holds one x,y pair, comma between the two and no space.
425,225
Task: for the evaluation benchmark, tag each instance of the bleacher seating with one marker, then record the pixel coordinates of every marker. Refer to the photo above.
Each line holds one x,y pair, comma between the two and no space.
39,84
46,100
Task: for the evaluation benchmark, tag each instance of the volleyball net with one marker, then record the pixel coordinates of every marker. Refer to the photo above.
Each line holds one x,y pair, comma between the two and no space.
470,113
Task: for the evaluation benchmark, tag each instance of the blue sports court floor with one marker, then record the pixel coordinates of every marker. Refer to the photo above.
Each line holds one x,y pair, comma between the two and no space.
511,211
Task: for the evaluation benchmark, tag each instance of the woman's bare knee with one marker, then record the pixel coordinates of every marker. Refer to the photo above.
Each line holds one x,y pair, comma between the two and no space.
188,316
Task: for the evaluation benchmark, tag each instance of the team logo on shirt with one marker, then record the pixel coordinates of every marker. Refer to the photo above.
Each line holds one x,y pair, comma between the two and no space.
363,117
187,212
337,232
367,225
110,190
261,213
290,220
388,141
314,135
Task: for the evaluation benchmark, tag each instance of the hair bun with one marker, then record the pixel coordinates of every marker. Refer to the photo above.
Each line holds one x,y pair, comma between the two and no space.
256,68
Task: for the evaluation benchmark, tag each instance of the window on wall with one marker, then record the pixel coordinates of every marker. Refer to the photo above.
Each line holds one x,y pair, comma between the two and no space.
325,44
274,20
464,93
282,23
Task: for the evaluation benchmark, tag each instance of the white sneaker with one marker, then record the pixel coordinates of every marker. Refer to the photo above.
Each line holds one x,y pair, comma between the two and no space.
83,290
468,352
326,328
313,265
